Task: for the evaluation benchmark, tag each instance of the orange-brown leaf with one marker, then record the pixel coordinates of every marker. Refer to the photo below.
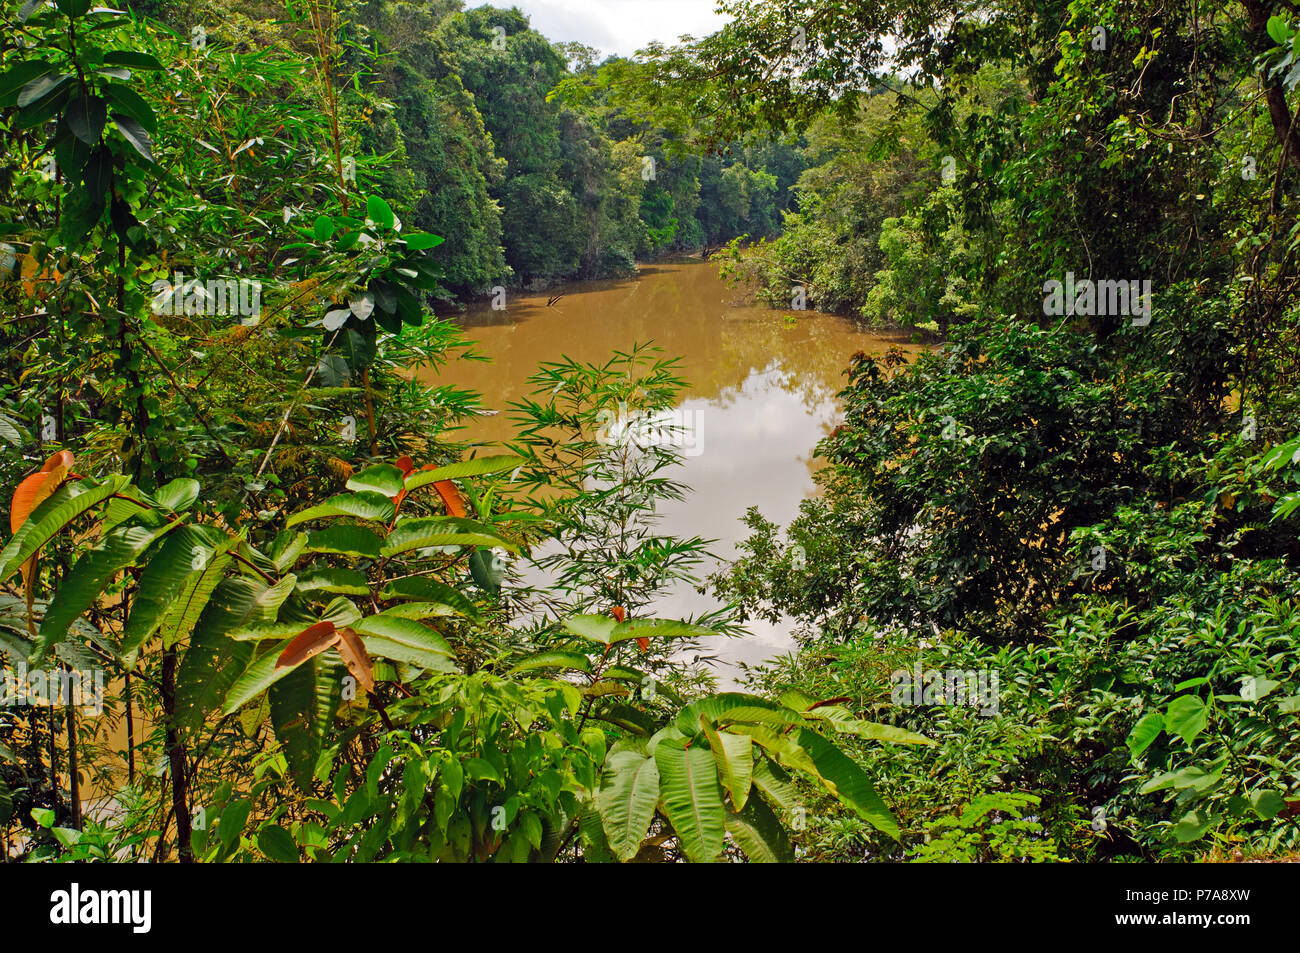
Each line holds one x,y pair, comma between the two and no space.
643,642
451,498
308,643
353,651
36,488
619,613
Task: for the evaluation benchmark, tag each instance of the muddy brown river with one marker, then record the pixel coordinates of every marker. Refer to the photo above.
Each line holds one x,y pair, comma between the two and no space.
761,394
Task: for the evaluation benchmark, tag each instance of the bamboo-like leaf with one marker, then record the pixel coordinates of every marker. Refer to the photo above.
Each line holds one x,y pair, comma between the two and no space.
692,798
627,800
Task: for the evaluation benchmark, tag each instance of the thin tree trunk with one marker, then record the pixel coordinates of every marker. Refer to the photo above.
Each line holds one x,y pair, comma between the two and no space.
176,757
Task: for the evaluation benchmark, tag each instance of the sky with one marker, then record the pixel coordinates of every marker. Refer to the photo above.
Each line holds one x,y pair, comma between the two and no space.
617,26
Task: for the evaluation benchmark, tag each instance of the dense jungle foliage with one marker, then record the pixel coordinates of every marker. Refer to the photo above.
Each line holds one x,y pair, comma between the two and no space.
1046,604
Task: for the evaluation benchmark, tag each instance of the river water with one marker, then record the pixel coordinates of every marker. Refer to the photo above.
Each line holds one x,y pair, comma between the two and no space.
761,394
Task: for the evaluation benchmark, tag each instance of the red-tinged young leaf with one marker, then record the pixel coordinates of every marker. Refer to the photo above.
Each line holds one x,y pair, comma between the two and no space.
451,498
310,642
354,654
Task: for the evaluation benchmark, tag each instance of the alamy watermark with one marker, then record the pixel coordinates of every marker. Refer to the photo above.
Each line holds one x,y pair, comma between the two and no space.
682,429
1128,298
54,688
212,296
948,688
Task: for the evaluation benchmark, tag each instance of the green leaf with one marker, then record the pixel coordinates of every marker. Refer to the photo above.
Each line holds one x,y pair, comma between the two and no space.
86,116
324,228
132,104
132,58
421,241
302,706
1186,717
627,800
595,628
184,612
366,505
257,678
345,540
404,640
469,468
20,76
1193,826
379,212
347,582
846,781
278,844
734,755
163,581
134,133
421,589
573,661
1145,732
759,833
692,798
1268,804
178,495
42,88
383,478
213,661
427,532
1278,29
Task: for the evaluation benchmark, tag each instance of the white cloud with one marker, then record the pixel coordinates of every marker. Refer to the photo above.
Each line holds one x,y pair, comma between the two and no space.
619,26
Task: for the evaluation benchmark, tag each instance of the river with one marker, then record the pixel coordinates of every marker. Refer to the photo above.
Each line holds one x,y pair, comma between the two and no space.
762,386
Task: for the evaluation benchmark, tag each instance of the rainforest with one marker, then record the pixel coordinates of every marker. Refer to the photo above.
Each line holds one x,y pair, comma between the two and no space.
861,432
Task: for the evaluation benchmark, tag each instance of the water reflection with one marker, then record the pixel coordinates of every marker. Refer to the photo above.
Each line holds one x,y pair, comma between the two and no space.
762,384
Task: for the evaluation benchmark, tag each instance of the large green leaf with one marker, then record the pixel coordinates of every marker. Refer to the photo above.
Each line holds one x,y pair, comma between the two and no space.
384,478
301,708
194,595
443,531
366,505
345,539
1186,717
185,552
844,779
405,640
735,757
627,800
732,707
760,834
339,581
213,661
469,468
420,589
692,798
91,575
574,661
53,515
254,680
